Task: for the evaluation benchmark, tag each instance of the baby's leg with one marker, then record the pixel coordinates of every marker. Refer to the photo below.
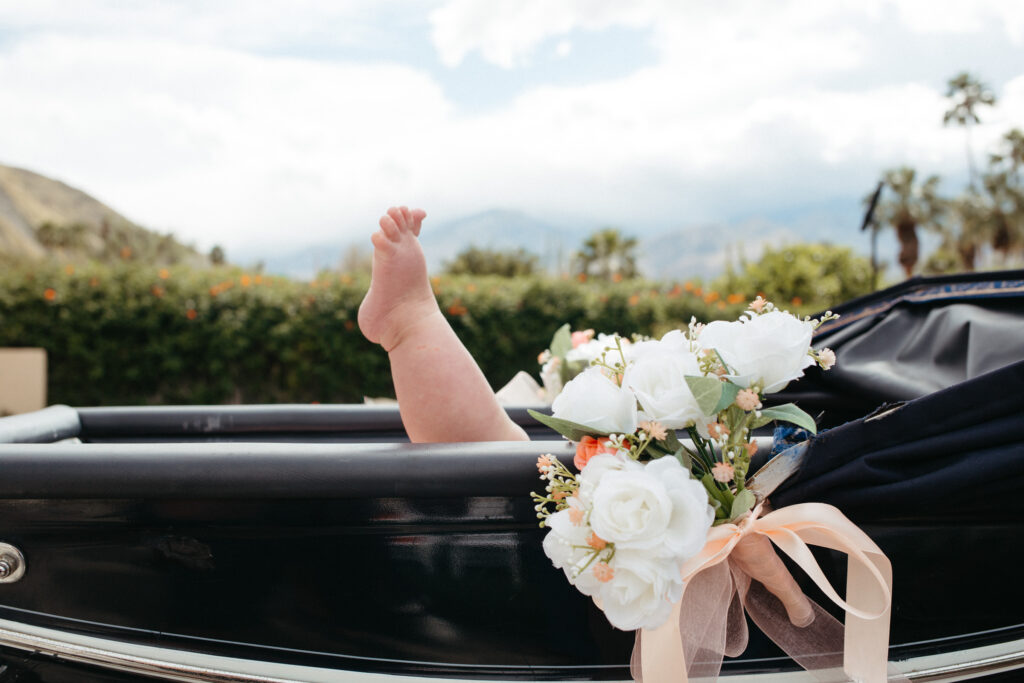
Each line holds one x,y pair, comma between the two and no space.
442,394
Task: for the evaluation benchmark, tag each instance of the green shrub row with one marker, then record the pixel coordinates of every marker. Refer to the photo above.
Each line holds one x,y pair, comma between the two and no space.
129,334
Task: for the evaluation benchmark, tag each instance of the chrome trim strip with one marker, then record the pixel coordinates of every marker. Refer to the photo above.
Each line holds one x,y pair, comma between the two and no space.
183,665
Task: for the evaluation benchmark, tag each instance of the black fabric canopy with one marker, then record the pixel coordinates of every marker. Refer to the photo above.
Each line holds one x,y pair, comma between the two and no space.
925,405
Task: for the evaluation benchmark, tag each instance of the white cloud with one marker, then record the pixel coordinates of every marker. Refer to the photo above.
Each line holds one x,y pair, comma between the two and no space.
177,122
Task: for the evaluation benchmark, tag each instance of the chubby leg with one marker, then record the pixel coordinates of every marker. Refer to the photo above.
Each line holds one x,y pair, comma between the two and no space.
756,556
442,394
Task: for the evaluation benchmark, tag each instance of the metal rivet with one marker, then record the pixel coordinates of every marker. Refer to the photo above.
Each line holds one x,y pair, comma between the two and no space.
12,563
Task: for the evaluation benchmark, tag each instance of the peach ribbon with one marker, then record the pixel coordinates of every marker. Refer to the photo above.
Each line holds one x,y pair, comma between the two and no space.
716,593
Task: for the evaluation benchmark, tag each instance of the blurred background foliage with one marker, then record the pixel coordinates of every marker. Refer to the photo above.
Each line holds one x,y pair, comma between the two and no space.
125,333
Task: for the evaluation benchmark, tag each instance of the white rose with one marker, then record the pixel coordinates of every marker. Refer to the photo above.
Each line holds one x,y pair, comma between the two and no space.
594,400
566,546
657,508
597,467
642,590
769,349
658,379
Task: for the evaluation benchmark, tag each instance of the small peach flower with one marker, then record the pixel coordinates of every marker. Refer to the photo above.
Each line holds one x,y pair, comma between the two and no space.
576,515
558,495
587,448
655,429
544,463
757,304
751,449
827,358
581,337
603,572
723,472
748,400
596,542
717,430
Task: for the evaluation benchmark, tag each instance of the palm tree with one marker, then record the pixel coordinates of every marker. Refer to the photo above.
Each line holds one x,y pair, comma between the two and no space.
908,207
607,254
1005,188
967,93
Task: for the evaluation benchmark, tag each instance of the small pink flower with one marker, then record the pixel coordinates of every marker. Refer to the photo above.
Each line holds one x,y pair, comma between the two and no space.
576,515
747,400
655,429
603,572
581,337
596,542
757,304
827,358
723,472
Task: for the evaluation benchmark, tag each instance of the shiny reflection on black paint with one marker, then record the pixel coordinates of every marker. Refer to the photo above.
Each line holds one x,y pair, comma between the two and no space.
459,581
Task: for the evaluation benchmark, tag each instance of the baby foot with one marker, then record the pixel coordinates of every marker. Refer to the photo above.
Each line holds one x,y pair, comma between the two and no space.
400,293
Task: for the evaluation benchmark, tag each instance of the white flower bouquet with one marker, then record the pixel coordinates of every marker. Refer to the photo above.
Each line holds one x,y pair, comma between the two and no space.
643,502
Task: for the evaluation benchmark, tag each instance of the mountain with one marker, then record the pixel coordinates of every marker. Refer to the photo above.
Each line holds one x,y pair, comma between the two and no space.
689,251
40,216
501,229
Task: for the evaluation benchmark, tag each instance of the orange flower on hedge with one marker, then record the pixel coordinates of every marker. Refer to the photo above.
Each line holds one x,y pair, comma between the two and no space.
164,273
69,269
94,281
797,301
587,448
634,300
126,253
50,294
246,280
191,314
457,309
736,298
158,292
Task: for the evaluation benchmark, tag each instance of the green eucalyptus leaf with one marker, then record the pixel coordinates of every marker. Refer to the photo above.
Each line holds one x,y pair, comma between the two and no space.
707,391
671,441
684,458
568,429
759,421
743,502
561,343
729,391
788,412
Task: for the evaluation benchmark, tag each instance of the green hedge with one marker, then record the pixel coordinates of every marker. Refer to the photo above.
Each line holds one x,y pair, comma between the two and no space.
128,334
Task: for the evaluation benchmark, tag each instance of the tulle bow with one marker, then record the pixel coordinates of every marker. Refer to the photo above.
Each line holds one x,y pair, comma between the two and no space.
708,621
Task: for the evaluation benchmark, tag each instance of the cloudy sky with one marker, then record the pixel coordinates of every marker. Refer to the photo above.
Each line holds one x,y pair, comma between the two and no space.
276,123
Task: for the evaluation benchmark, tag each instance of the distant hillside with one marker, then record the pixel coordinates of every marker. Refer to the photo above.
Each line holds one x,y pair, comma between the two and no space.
689,251
42,217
